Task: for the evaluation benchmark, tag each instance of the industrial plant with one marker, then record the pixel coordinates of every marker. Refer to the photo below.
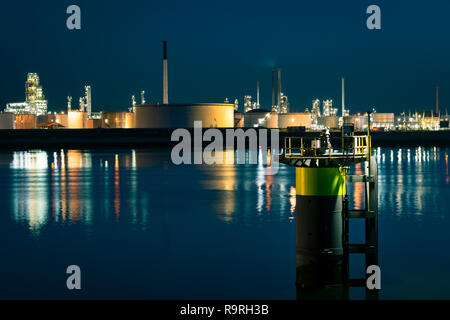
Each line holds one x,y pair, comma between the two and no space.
33,112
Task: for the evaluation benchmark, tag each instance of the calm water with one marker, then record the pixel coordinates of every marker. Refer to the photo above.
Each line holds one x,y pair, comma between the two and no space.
140,227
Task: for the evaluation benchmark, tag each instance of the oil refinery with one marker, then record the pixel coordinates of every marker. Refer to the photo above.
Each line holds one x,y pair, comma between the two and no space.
33,113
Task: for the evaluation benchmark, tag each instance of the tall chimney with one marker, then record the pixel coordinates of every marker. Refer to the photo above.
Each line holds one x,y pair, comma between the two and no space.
343,95
69,104
165,83
279,89
437,100
273,89
257,95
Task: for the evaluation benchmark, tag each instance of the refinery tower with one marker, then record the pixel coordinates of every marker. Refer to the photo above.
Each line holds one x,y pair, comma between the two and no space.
34,95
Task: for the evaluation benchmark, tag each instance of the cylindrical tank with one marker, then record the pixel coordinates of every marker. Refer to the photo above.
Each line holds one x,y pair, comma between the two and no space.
117,119
7,120
216,115
320,193
25,121
77,119
261,118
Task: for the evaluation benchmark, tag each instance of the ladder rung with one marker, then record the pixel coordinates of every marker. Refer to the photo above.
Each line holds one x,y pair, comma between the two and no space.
359,178
356,248
360,214
362,248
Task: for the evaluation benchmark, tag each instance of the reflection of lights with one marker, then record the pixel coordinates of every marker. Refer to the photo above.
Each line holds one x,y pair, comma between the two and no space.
447,180
292,199
29,160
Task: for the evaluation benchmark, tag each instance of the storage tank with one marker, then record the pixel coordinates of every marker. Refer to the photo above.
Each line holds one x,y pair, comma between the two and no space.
117,119
217,115
25,121
77,120
62,119
261,118
94,123
383,120
360,122
331,122
7,120
294,119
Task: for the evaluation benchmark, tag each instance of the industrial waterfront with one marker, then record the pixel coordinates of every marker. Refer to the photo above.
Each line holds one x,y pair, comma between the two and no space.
141,227
34,112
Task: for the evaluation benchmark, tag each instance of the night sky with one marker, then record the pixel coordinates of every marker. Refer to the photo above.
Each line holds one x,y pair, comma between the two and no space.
220,49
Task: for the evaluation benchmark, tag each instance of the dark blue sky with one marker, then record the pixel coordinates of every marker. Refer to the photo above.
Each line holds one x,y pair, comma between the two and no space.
220,49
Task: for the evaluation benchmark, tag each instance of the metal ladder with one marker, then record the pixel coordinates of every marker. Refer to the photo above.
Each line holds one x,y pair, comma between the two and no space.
370,214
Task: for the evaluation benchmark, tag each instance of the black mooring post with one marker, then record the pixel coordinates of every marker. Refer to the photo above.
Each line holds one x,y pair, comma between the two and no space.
372,223
345,242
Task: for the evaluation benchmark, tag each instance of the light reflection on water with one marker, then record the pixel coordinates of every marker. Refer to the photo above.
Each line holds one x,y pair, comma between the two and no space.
62,186
158,215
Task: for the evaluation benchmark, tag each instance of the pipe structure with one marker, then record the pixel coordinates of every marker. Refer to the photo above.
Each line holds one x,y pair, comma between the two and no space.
165,80
257,95
343,95
273,89
69,104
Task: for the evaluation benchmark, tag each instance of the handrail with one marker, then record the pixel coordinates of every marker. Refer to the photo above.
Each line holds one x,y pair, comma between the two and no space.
360,148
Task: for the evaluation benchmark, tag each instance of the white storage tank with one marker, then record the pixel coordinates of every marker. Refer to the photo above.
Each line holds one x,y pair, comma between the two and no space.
294,119
261,118
171,116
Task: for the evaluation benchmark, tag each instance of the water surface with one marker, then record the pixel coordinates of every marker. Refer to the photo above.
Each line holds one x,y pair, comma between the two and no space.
142,228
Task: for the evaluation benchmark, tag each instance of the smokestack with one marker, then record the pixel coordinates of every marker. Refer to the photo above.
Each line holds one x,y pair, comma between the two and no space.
165,83
279,89
257,95
437,100
69,104
343,95
273,89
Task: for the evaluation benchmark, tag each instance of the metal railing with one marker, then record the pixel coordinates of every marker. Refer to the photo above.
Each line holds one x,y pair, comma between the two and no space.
350,146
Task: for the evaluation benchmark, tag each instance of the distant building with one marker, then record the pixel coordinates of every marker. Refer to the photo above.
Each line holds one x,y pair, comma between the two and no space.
18,108
35,102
